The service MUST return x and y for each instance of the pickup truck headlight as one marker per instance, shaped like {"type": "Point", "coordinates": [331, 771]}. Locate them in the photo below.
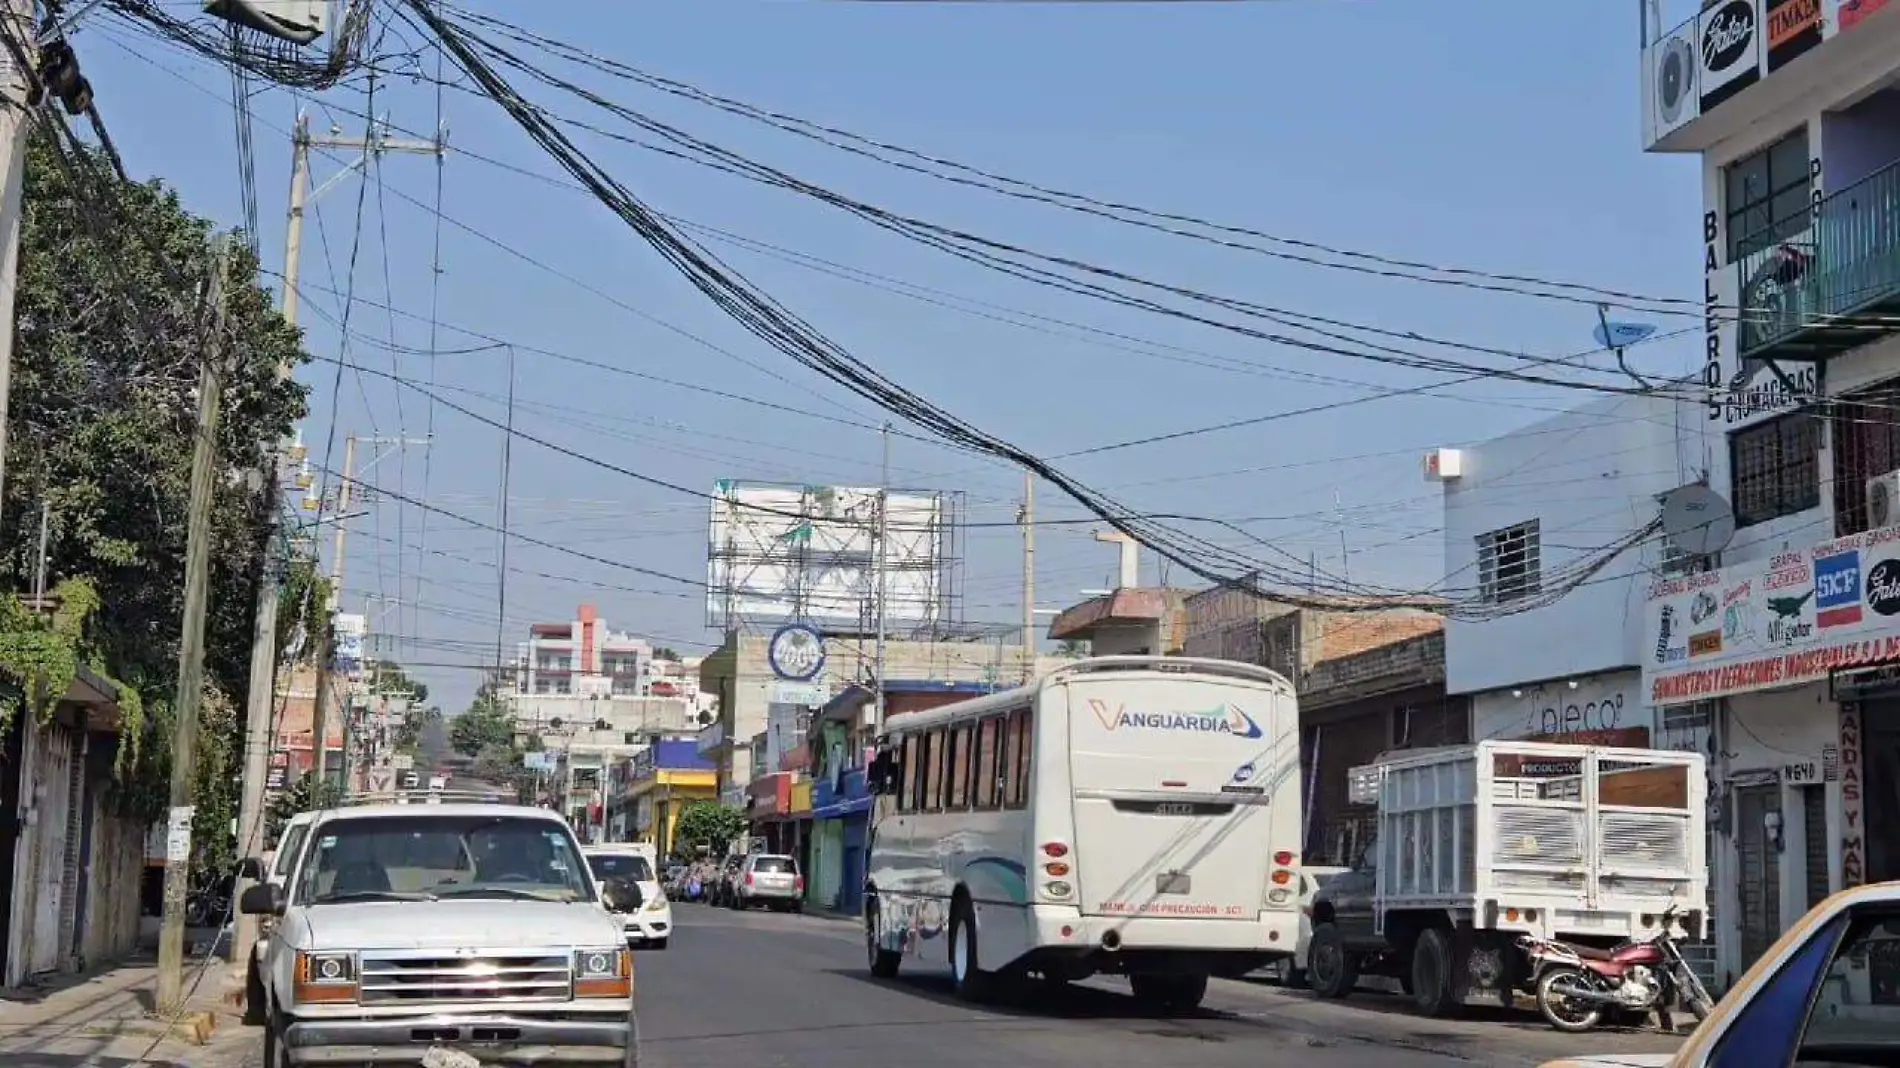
{"type": "Point", "coordinates": [323, 978]}
{"type": "Point", "coordinates": [657, 904]}
{"type": "Point", "coordinates": [603, 973]}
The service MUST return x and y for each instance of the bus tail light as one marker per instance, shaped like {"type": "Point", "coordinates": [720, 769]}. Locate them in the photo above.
{"type": "Point", "coordinates": [1053, 880]}
{"type": "Point", "coordinates": [1282, 893]}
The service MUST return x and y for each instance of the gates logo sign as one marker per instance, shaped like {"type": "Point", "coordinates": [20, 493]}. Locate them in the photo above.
{"type": "Point", "coordinates": [1837, 589]}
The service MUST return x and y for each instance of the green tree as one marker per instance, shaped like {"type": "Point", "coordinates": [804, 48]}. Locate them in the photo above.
{"type": "Point", "coordinates": [486, 723]}
{"type": "Point", "coordinates": [301, 796]}
{"type": "Point", "coordinates": [110, 335]}
{"type": "Point", "coordinates": [665, 653]}
{"type": "Point", "coordinates": [707, 823]}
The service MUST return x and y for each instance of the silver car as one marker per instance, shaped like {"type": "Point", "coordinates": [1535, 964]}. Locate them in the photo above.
{"type": "Point", "coordinates": [771, 880]}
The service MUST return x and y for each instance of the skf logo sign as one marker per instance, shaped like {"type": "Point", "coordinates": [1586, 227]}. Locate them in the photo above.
{"type": "Point", "coordinates": [1837, 589]}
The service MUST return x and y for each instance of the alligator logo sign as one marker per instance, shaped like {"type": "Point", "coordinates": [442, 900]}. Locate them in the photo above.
{"type": "Point", "coordinates": [1785, 625]}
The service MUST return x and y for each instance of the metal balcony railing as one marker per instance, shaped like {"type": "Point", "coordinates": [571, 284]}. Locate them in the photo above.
{"type": "Point", "coordinates": [1832, 287]}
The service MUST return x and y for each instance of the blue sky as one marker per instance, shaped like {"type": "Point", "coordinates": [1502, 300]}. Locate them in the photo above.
{"type": "Point", "coordinates": [1465, 133]}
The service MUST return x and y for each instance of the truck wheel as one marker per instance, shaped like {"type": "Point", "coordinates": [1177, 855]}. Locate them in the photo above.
{"type": "Point", "coordinates": [1432, 989]}
{"type": "Point", "coordinates": [1331, 969]}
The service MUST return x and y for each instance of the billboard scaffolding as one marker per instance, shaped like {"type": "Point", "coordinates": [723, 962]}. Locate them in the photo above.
{"type": "Point", "coordinates": [779, 552]}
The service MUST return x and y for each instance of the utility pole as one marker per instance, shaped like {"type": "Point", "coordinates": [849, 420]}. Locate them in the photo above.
{"type": "Point", "coordinates": [15, 122]}
{"type": "Point", "coordinates": [191, 647]}
{"type": "Point", "coordinates": [883, 557]}
{"type": "Point", "coordinates": [326, 625]}
{"type": "Point", "coordinates": [1027, 517]}
{"type": "Point", "coordinates": [260, 703]}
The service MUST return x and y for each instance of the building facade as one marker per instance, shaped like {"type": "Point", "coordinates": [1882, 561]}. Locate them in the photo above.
{"type": "Point", "coordinates": [72, 865]}
{"type": "Point", "coordinates": [1522, 514]}
{"type": "Point", "coordinates": [1788, 641]}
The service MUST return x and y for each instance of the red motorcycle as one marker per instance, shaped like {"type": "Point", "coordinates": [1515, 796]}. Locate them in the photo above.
{"type": "Point", "coordinates": [1577, 986]}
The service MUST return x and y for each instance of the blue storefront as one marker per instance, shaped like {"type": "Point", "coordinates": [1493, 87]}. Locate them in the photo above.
{"type": "Point", "coordinates": [841, 815]}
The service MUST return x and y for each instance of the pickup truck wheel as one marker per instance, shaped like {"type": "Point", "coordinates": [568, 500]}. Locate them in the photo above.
{"type": "Point", "coordinates": [276, 1053]}
{"type": "Point", "coordinates": [256, 1010]}
{"type": "Point", "coordinates": [1432, 988]}
{"type": "Point", "coordinates": [1331, 970]}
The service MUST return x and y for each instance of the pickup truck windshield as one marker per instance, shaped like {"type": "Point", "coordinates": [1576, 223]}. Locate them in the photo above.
{"type": "Point", "coordinates": [425, 857]}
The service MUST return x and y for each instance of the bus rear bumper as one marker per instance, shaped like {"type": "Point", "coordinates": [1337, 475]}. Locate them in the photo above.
{"type": "Point", "coordinates": [1239, 944]}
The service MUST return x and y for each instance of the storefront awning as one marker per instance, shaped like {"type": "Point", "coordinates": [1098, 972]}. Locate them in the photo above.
{"type": "Point", "coordinates": [839, 810]}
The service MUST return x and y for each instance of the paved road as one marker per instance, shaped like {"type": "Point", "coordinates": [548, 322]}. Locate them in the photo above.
{"type": "Point", "coordinates": [771, 990]}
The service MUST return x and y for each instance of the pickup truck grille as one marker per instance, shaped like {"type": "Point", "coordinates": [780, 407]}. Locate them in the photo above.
{"type": "Point", "coordinates": [421, 980]}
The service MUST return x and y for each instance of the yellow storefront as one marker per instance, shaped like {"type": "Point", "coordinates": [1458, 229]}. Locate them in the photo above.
{"type": "Point", "coordinates": [659, 798]}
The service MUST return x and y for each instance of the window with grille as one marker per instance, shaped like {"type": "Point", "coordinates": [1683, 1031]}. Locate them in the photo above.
{"type": "Point", "coordinates": [1866, 429]}
{"type": "Point", "coordinates": [1775, 468]}
{"type": "Point", "coordinates": [1510, 563]}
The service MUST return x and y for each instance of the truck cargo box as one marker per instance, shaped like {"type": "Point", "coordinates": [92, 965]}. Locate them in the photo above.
{"type": "Point", "coordinates": [1563, 840]}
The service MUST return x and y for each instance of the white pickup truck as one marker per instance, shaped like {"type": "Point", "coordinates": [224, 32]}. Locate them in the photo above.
{"type": "Point", "coordinates": [444, 935]}
{"type": "Point", "coordinates": [1479, 845]}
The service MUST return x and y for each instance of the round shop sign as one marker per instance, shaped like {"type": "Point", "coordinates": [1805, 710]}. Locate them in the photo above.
{"type": "Point", "coordinates": [797, 653]}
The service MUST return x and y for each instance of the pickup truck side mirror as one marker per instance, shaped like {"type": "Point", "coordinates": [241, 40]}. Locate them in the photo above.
{"type": "Point", "coordinates": [251, 868]}
{"type": "Point", "coordinates": [264, 899]}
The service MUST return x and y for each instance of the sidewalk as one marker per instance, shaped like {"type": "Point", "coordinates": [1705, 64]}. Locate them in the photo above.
{"type": "Point", "coordinates": [107, 1020]}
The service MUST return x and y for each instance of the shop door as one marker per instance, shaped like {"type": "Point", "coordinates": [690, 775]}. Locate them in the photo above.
{"type": "Point", "coordinates": [54, 776]}
{"type": "Point", "coordinates": [1880, 764]}
{"type": "Point", "coordinates": [1760, 864]}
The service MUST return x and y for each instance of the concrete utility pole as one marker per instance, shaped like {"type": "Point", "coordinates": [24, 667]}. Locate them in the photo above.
{"type": "Point", "coordinates": [1027, 517]}
{"type": "Point", "coordinates": [15, 122]}
{"type": "Point", "coordinates": [883, 558]}
{"type": "Point", "coordinates": [260, 704]}
{"type": "Point", "coordinates": [191, 648]}
{"type": "Point", "coordinates": [326, 625]}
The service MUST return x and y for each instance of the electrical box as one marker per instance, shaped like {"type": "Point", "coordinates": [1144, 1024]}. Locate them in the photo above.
{"type": "Point", "coordinates": [297, 21]}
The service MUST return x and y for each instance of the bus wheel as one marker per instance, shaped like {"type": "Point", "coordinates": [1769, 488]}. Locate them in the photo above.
{"type": "Point", "coordinates": [1169, 993]}
{"type": "Point", "coordinates": [883, 962]}
{"type": "Point", "coordinates": [965, 966]}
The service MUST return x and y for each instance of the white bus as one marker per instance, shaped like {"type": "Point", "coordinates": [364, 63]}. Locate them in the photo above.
{"type": "Point", "coordinates": [1133, 815]}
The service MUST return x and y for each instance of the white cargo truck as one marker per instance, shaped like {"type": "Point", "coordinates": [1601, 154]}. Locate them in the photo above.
{"type": "Point", "coordinates": [1480, 845]}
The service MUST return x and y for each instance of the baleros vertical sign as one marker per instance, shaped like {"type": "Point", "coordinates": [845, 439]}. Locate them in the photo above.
{"type": "Point", "coordinates": [1794, 26]}
{"type": "Point", "coordinates": [1729, 39]}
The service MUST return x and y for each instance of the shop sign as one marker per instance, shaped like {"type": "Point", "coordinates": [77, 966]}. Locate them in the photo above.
{"type": "Point", "coordinates": [1853, 839]}
{"type": "Point", "coordinates": [1793, 618]}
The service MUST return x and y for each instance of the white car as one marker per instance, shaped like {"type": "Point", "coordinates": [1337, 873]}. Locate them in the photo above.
{"type": "Point", "coordinates": [652, 925]}
{"type": "Point", "coordinates": [431, 934]}
{"type": "Point", "coordinates": [1291, 971]}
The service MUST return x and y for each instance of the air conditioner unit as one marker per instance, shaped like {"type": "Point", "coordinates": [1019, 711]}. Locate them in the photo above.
{"type": "Point", "coordinates": [1883, 500]}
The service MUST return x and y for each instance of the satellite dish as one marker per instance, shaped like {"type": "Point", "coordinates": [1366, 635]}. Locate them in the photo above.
{"type": "Point", "coordinates": [1613, 335]}
{"type": "Point", "coordinates": [1697, 520]}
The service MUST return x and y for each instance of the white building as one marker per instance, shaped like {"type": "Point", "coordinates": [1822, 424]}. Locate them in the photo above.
{"type": "Point", "coordinates": [1522, 512]}
{"type": "Point", "coordinates": [1793, 108]}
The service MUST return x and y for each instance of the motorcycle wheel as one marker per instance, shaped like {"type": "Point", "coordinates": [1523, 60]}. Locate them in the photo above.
{"type": "Point", "coordinates": [1556, 1000]}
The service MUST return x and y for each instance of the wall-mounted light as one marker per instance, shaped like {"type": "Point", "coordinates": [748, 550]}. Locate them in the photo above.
{"type": "Point", "coordinates": [1574, 684]}
{"type": "Point", "coordinates": [1517, 693]}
